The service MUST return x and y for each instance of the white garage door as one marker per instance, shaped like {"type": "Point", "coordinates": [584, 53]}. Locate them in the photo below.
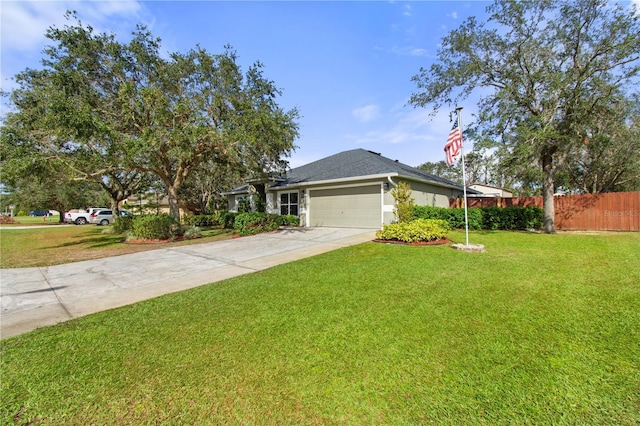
{"type": "Point", "coordinates": [356, 207]}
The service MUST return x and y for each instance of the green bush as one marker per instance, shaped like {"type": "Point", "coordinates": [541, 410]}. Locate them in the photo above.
{"type": "Point", "coordinates": [201, 220]}
{"type": "Point", "coordinates": [455, 217]}
{"type": "Point", "coordinates": [155, 227]}
{"type": "Point", "coordinates": [255, 223]}
{"type": "Point", "coordinates": [244, 205]}
{"type": "Point", "coordinates": [521, 218]}
{"type": "Point", "coordinates": [414, 231]}
{"type": "Point", "coordinates": [528, 218]}
{"type": "Point", "coordinates": [227, 219]}
{"type": "Point", "coordinates": [531, 218]}
{"type": "Point", "coordinates": [288, 220]}
{"type": "Point", "coordinates": [430, 212]}
{"type": "Point", "coordinates": [122, 224]}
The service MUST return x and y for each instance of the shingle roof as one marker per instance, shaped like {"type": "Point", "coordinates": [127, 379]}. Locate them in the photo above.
{"type": "Point", "coordinates": [353, 164]}
{"type": "Point", "coordinates": [356, 163]}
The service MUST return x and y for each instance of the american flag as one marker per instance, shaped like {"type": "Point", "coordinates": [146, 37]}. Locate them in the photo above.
{"type": "Point", "coordinates": [454, 144]}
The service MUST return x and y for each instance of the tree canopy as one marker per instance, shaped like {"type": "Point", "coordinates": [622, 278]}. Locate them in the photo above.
{"type": "Point", "coordinates": [122, 114]}
{"type": "Point", "coordinates": [554, 75]}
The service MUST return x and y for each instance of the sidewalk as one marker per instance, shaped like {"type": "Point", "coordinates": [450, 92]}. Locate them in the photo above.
{"type": "Point", "coordinates": [37, 297]}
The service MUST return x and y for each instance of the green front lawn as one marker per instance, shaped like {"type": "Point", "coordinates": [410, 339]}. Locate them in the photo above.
{"type": "Point", "coordinates": [22, 248]}
{"type": "Point", "coordinates": [34, 220]}
{"type": "Point", "coordinates": [540, 330]}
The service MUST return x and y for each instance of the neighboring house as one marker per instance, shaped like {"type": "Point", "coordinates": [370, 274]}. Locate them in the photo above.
{"type": "Point", "coordinates": [148, 204]}
{"type": "Point", "coordinates": [491, 191]}
{"type": "Point", "coordinates": [348, 189]}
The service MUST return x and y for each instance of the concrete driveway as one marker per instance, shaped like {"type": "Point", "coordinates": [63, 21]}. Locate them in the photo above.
{"type": "Point", "coordinates": [37, 297]}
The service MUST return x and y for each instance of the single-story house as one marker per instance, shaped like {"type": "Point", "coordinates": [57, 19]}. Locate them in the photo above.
{"type": "Point", "coordinates": [349, 189]}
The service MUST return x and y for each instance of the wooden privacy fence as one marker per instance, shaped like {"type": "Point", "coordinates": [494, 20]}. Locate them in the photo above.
{"type": "Point", "coordinates": [613, 211]}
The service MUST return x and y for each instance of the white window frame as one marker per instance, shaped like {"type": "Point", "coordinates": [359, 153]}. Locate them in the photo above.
{"type": "Point", "coordinates": [289, 204]}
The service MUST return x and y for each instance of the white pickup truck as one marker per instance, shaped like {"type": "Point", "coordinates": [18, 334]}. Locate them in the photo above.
{"type": "Point", "coordinates": [80, 216]}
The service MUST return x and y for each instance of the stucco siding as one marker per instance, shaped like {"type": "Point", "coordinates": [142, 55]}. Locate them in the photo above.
{"type": "Point", "coordinates": [425, 194]}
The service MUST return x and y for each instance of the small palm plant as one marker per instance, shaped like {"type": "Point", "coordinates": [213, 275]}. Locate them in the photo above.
{"type": "Point", "coordinates": [404, 202]}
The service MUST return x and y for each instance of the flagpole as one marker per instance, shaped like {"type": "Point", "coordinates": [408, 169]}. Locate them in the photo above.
{"type": "Point", "coordinates": [464, 181]}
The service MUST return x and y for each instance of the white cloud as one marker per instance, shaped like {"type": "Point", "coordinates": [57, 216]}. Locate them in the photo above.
{"type": "Point", "coordinates": [637, 5]}
{"type": "Point", "coordinates": [130, 8]}
{"type": "Point", "coordinates": [367, 113]}
{"type": "Point", "coordinates": [24, 23]}
{"type": "Point", "coordinates": [453, 15]}
{"type": "Point", "coordinates": [404, 126]}
{"type": "Point", "coordinates": [405, 51]}
{"type": "Point", "coordinates": [408, 134]}
{"type": "Point", "coordinates": [418, 51]}
{"type": "Point", "coordinates": [407, 10]}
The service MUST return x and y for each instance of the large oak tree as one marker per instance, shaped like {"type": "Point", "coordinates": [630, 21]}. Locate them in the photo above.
{"type": "Point", "coordinates": [550, 71]}
{"type": "Point", "coordinates": [117, 112]}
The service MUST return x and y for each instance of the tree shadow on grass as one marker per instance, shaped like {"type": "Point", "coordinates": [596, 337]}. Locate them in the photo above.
{"type": "Point", "coordinates": [92, 242]}
{"type": "Point", "coordinates": [101, 241]}
{"type": "Point", "coordinates": [487, 231]}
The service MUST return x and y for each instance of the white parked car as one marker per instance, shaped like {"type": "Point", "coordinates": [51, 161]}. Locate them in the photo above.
{"type": "Point", "coordinates": [80, 216]}
{"type": "Point", "coordinates": [105, 216]}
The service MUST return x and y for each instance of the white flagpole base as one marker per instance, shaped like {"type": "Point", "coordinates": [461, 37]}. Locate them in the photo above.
{"type": "Point", "coordinates": [470, 248]}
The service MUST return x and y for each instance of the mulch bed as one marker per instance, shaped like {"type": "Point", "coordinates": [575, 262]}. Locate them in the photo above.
{"type": "Point", "coordinates": [140, 242]}
{"type": "Point", "coordinates": [417, 243]}
{"type": "Point", "coordinates": [158, 241]}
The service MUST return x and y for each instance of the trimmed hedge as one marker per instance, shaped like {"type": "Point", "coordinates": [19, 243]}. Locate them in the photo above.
{"type": "Point", "coordinates": [155, 227]}
{"type": "Point", "coordinates": [201, 220]}
{"type": "Point", "coordinates": [227, 219]}
{"type": "Point", "coordinates": [122, 224]}
{"type": "Point", "coordinates": [521, 218]}
{"type": "Point", "coordinates": [414, 231]}
{"type": "Point", "coordinates": [255, 223]}
{"type": "Point", "coordinates": [514, 218]}
{"type": "Point", "coordinates": [288, 220]}
{"type": "Point", "coordinates": [454, 217]}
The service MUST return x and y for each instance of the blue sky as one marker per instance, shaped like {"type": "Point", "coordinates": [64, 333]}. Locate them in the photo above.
{"type": "Point", "coordinates": [346, 65]}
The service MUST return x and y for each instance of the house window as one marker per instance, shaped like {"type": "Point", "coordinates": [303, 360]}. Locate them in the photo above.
{"type": "Point", "coordinates": [289, 203]}
{"type": "Point", "coordinates": [243, 204]}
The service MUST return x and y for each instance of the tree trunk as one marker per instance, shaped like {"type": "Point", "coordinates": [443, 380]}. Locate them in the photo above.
{"type": "Point", "coordinates": [547, 193]}
{"type": "Point", "coordinates": [172, 196]}
{"type": "Point", "coordinates": [114, 207]}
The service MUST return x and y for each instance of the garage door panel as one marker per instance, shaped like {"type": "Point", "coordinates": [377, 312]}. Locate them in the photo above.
{"type": "Point", "coordinates": [356, 207]}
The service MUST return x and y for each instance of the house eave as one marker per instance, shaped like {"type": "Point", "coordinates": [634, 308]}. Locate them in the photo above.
{"type": "Point", "coordinates": [433, 182]}
{"type": "Point", "coordinates": [382, 176]}
{"type": "Point", "coordinates": [266, 180]}
{"type": "Point", "coordinates": [278, 186]}
{"type": "Point", "coordinates": [305, 184]}
{"type": "Point", "coordinates": [240, 190]}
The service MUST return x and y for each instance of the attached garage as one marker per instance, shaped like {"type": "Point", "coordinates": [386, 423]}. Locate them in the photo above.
{"type": "Point", "coordinates": [349, 207]}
